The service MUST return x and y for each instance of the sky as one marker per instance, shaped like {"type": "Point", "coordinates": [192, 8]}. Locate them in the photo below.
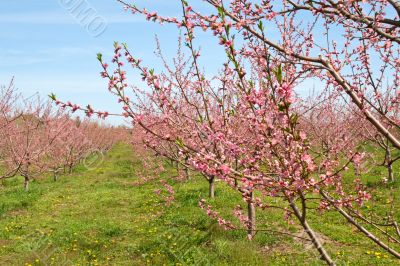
{"type": "Point", "coordinates": [48, 48]}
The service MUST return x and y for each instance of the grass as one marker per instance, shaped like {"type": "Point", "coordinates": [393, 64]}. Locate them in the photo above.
{"type": "Point", "coordinates": [98, 217]}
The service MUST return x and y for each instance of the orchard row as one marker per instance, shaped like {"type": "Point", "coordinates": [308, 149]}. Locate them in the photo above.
{"type": "Point", "coordinates": [36, 138]}
{"type": "Point", "coordinates": [250, 126]}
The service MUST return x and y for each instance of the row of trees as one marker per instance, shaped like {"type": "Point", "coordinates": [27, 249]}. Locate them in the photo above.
{"type": "Point", "coordinates": [36, 138]}
{"type": "Point", "coordinates": [247, 126]}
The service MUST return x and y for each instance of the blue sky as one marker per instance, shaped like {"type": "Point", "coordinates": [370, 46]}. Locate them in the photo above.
{"type": "Point", "coordinates": [47, 49]}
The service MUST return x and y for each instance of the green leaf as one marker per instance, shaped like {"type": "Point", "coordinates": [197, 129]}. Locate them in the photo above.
{"type": "Point", "coordinates": [100, 57]}
{"type": "Point", "coordinates": [269, 78]}
{"type": "Point", "coordinates": [221, 12]}
{"type": "Point", "coordinates": [180, 143]}
{"type": "Point", "coordinates": [229, 56]}
{"type": "Point", "coordinates": [260, 25]}
{"type": "Point", "coordinates": [278, 73]}
{"type": "Point", "coordinates": [227, 29]}
{"type": "Point", "coordinates": [52, 96]}
{"type": "Point", "coordinates": [294, 118]}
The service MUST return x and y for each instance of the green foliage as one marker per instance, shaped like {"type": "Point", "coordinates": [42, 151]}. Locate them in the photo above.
{"type": "Point", "coordinates": [98, 217]}
{"type": "Point", "coordinates": [100, 57]}
{"type": "Point", "coordinates": [278, 73]}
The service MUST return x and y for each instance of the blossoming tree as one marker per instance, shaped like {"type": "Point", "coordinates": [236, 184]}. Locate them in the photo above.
{"type": "Point", "coordinates": [243, 126]}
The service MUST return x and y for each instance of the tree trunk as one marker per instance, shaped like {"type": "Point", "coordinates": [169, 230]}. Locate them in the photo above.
{"type": "Point", "coordinates": [187, 173]}
{"type": "Point", "coordinates": [177, 167]}
{"type": "Point", "coordinates": [389, 165]}
{"type": "Point", "coordinates": [55, 177]}
{"type": "Point", "coordinates": [362, 229]}
{"type": "Point", "coordinates": [236, 168]}
{"type": "Point", "coordinates": [390, 172]}
{"type": "Point", "coordinates": [310, 232]}
{"type": "Point", "coordinates": [317, 244]}
{"type": "Point", "coordinates": [26, 183]}
{"type": "Point", "coordinates": [211, 188]}
{"type": "Point", "coordinates": [251, 215]}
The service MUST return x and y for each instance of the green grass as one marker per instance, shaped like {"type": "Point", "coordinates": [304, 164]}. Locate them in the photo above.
{"type": "Point", "coordinates": [98, 217]}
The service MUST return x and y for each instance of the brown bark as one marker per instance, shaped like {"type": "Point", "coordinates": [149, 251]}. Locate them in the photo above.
{"type": "Point", "coordinates": [211, 188]}
{"type": "Point", "coordinates": [251, 215]}
{"type": "Point", "coordinates": [362, 229]}
{"type": "Point", "coordinates": [310, 232]}
{"type": "Point", "coordinates": [390, 173]}
{"type": "Point", "coordinates": [389, 164]}
{"type": "Point", "coordinates": [26, 183]}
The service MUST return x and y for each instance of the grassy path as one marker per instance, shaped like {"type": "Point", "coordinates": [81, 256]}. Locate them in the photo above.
{"type": "Point", "coordinates": [97, 217]}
